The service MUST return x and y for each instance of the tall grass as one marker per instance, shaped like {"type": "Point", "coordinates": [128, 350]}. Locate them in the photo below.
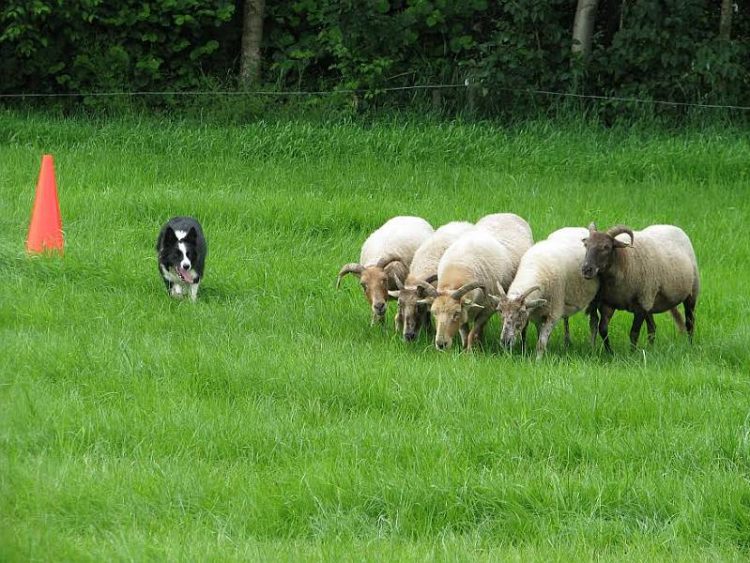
{"type": "Point", "coordinates": [270, 421]}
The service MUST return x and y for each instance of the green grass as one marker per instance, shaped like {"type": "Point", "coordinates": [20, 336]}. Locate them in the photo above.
{"type": "Point", "coordinates": [270, 421]}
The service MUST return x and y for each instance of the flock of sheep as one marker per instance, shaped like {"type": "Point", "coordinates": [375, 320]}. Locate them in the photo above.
{"type": "Point", "coordinates": [461, 274]}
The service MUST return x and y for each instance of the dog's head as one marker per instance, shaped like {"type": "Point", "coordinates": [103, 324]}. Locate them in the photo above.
{"type": "Point", "coordinates": [179, 253]}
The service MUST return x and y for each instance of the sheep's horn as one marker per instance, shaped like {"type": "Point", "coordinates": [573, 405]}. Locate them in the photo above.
{"type": "Point", "coordinates": [528, 292]}
{"type": "Point", "coordinates": [500, 290]}
{"type": "Point", "coordinates": [466, 288]}
{"type": "Point", "coordinates": [619, 229]}
{"type": "Point", "coordinates": [431, 291]}
{"type": "Point", "coordinates": [501, 296]}
{"type": "Point", "coordinates": [385, 260]}
{"type": "Point", "coordinates": [351, 268]}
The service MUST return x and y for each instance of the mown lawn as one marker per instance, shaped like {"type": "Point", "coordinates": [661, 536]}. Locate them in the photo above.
{"type": "Point", "coordinates": [270, 421]}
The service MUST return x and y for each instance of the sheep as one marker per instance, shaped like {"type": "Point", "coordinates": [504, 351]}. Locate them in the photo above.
{"type": "Point", "coordinates": [513, 232]}
{"type": "Point", "coordinates": [385, 257]}
{"type": "Point", "coordinates": [481, 258]}
{"type": "Point", "coordinates": [423, 270]}
{"type": "Point", "coordinates": [654, 272]}
{"type": "Point", "coordinates": [548, 286]}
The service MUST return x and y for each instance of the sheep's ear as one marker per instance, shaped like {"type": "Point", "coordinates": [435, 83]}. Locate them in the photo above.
{"type": "Point", "coordinates": [620, 244]}
{"type": "Point", "coordinates": [426, 301]}
{"type": "Point", "coordinates": [592, 228]}
{"type": "Point", "coordinates": [472, 305]}
{"type": "Point", "coordinates": [394, 294]}
{"type": "Point", "coordinates": [534, 303]}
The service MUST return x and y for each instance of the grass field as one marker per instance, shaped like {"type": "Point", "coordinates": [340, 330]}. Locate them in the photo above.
{"type": "Point", "coordinates": [270, 421]}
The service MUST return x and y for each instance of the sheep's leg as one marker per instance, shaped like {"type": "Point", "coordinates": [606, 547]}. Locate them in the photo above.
{"type": "Point", "coordinates": [635, 329]}
{"type": "Point", "coordinates": [606, 314]}
{"type": "Point", "coordinates": [566, 323]}
{"type": "Point", "coordinates": [651, 326]}
{"type": "Point", "coordinates": [689, 305]}
{"type": "Point", "coordinates": [544, 333]}
{"type": "Point", "coordinates": [478, 330]}
{"type": "Point", "coordinates": [523, 338]}
{"type": "Point", "coordinates": [426, 319]}
{"type": "Point", "coordinates": [464, 332]}
{"type": "Point", "coordinates": [593, 325]}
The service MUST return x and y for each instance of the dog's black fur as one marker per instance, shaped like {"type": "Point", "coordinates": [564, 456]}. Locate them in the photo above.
{"type": "Point", "coordinates": [181, 251]}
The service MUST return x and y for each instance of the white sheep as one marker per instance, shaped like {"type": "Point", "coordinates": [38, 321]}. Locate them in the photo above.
{"type": "Point", "coordinates": [654, 272]}
{"type": "Point", "coordinates": [510, 230]}
{"type": "Point", "coordinates": [423, 270]}
{"type": "Point", "coordinates": [385, 257]}
{"type": "Point", "coordinates": [482, 258]}
{"type": "Point", "coordinates": [548, 286]}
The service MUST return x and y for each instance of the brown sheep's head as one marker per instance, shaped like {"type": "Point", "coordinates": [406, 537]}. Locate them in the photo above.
{"type": "Point", "coordinates": [600, 249]}
{"type": "Point", "coordinates": [375, 282]}
{"type": "Point", "coordinates": [411, 307]}
{"type": "Point", "coordinates": [515, 313]}
{"type": "Point", "coordinates": [450, 311]}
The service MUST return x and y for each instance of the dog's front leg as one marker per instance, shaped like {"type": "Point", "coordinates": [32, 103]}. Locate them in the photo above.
{"type": "Point", "coordinates": [194, 292]}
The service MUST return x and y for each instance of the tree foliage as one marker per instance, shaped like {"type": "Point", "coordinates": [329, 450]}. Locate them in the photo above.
{"type": "Point", "coordinates": [667, 49]}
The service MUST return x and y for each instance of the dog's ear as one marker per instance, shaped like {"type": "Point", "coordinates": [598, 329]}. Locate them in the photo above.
{"type": "Point", "coordinates": [191, 236]}
{"type": "Point", "coordinates": [170, 238]}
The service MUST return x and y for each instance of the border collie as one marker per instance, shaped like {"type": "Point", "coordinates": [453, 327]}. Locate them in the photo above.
{"type": "Point", "coordinates": [181, 251]}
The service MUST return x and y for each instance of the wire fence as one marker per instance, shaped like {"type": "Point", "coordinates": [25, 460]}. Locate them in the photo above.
{"type": "Point", "coordinates": [299, 93]}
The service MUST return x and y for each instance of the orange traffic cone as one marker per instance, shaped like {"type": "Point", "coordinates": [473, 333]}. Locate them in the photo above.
{"type": "Point", "coordinates": [45, 230]}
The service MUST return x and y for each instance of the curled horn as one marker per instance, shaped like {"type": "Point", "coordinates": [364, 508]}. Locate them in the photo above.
{"type": "Point", "coordinates": [385, 260]}
{"type": "Point", "coordinates": [429, 289]}
{"type": "Point", "coordinates": [528, 292]}
{"type": "Point", "coordinates": [351, 268]}
{"type": "Point", "coordinates": [619, 229]}
{"type": "Point", "coordinates": [466, 288]}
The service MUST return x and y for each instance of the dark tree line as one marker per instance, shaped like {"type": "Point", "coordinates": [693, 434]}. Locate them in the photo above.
{"type": "Point", "coordinates": [681, 50]}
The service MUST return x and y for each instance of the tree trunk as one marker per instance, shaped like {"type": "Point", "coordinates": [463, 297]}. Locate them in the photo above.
{"type": "Point", "coordinates": [725, 23]}
{"type": "Point", "coordinates": [252, 35]}
{"type": "Point", "coordinates": [583, 27]}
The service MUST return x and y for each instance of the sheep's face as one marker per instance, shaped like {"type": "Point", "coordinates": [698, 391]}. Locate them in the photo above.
{"type": "Point", "coordinates": [374, 283]}
{"type": "Point", "coordinates": [449, 314]}
{"type": "Point", "coordinates": [515, 318]}
{"type": "Point", "coordinates": [516, 313]}
{"type": "Point", "coordinates": [600, 249]}
{"type": "Point", "coordinates": [411, 310]}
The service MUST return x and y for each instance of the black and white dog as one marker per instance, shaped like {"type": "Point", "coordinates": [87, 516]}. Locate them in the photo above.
{"type": "Point", "coordinates": [181, 251]}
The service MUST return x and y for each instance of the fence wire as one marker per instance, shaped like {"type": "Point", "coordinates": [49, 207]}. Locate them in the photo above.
{"type": "Point", "coordinates": [300, 93]}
